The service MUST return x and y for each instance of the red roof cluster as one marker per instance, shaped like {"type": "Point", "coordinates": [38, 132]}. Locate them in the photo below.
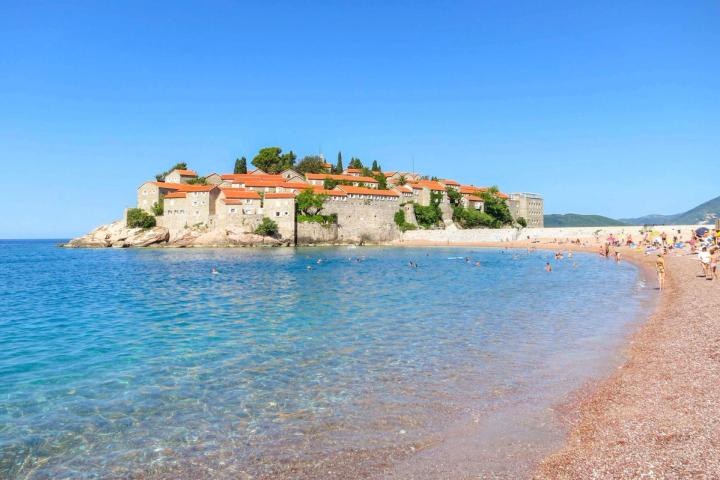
{"type": "Point", "coordinates": [367, 191]}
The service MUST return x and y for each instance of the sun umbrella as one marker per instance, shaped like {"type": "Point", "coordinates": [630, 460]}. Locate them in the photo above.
{"type": "Point", "coordinates": [701, 231]}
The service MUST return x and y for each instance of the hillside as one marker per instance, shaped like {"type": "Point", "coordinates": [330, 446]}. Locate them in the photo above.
{"type": "Point", "coordinates": [704, 213]}
{"type": "Point", "coordinates": [578, 220]}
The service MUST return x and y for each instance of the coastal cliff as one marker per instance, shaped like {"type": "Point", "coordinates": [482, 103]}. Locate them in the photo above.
{"type": "Point", "coordinates": [118, 235]}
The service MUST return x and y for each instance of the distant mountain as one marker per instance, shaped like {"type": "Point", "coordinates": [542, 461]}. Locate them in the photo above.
{"type": "Point", "coordinates": [577, 220]}
{"type": "Point", "coordinates": [706, 213]}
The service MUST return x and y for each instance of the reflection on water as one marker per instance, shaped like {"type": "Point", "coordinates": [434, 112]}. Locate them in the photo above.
{"type": "Point", "coordinates": [122, 362]}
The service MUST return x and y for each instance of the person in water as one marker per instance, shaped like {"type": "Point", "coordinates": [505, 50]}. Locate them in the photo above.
{"type": "Point", "coordinates": [548, 267]}
{"type": "Point", "coordinates": [215, 271]}
{"type": "Point", "coordinates": [617, 256]}
{"type": "Point", "coordinates": [660, 267]}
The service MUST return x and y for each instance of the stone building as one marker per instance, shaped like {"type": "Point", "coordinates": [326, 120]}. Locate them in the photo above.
{"type": "Point", "coordinates": [180, 176]}
{"type": "Point", "coordinates": [529, 206]}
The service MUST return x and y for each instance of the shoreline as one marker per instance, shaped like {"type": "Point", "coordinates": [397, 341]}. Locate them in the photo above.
{"type": "Point", "coordinates": [656, 416]}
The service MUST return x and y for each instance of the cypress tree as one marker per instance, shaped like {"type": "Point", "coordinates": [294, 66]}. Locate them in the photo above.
{"type": "Point", "coordinates": [339, 167]}
{"type": "Point", "coordinates": [240, 165]}
{"type": "Point", "coordinates": [374, 166]}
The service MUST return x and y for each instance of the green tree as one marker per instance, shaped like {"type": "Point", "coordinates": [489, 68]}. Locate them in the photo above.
{"type": "Point", "coordinates": [272, 160]}
{"type": "Point", "coordinates": [158, 207]}
{"type": "Point", "coordinates": [197, 181]}
{"type": "Point", "coordinates": [471, 218]}
{"type": "Point", "coordinates": [311, 164]}
{"type": "Point", "coordinates": [382, 181]}
{"type": "Point", "coordinates": [401, 222]}
{"type": "Point", "coordinates": [427, 216]}
{"type": "Point", "coordinates": [374, 166]}
{"type": "Point", "coordinates": [454, 196]}
{"type": "Point", "coordinates": [522, 222]}
{"type": "Point", "coordinates": [309, 203]}
{"type": "Point", "coordinates": [355, 163]}
{"type": "Point", "coordinates": [240, 165]}
{"type": "Point", "coordinates": [267, 228]}
{"type": "Point", "coordinates": [402, 180]}
{"type": "Point", "coordinates": [160, 177]}
{"type": "Point", "coordinates": [339, 166]}
{"type": "Point", "coordinates": [329, 183]}
{"type": "Point", "coordinates": [139, 218]}
{"type": "Point", "coordinates": [496, 207]}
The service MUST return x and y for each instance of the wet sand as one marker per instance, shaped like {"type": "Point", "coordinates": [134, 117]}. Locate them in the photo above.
{"type": "Point", "coordinates": [658, 415]}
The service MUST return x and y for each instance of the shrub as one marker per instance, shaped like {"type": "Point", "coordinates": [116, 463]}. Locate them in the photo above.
{"type": "Point", "coordinates": [139, 218]}
{"type": "Point", "coordinates": [522, 222]}
{"type": "Point", "coordinates": [322, 219]}
{"type": "Point", "coordinates": [402, 223]}
{"type": "Point", "coordinates": [267, 228]}
{"type": "Point", "coordinates": [158, 207]}
{"type": "Point", "coordinates": [427, 216]}
{"type": "Point", "coordinates": [197, 181]}
{"type": "Point", "coordinates": [471, 218]}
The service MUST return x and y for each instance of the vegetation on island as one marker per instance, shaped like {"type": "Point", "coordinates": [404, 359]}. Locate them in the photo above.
{"type": "Point", "coordinates": [402, 223]}
{"type": "Point", "coordinates": [309, 205]}
{"type": "Point", "coordinates": [311, 164]}
{"type": "Point", "coordinates": [197, 181]}
{"type": "Point", "coordinates": [240, 166]}
{"type": "Point", "coordinates": [338, 168]}
{"type": "Point", "coordinates": [158, 207]}
{"type": "Point", "coordinates": [139, 218]}
{"type": "Point", "coordinates": [522, 222]}
{"type": "Point", "coordinates": [429, 216]}
{"type": "Point", "coordinates": [272, 160]}
{"type": "Point", "coordinates": [267, 228]}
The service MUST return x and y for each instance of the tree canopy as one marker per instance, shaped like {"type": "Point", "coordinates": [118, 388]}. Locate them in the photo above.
{"type": "Point", "coordinates": [311, 164]}
{"type": "Point", "coordinates": [496, 207]}
{"type": "Point", "coordinates": [339, 165]}
{"type": "Point", "coordinates": [272, 160]}
{"type": "Point", "coordinates": [355, 163]}
{"type": "Point", "coordinates": [309, 203]}
{"type": "Point", "coordinates": [240, 165]}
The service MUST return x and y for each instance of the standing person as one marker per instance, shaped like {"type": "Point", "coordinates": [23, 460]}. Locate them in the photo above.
{"type": "Point", "coordinates": [714, 257]}
{"type": "Point", "coordinates": [704, 257]}
{"type": "Point", "coordinates": [660, 267]}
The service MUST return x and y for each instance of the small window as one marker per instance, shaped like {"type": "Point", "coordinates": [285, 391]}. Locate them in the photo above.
{"type": "Point", "coordinates": [277, 214]}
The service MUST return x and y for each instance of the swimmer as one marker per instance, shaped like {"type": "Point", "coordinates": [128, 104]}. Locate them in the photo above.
{"type": "Point", "coordinates": [477, 264]}
{"type": "Point", "coordinates": [309, 267]}
{"type": "Point", "coordinates": [617, 256]}
{"type": "Point", "coordinates": [574, 265]}
{"type": "Point", "coordinates": [569, 254]}
{"type": "Point", "coordinates": [215, 271]}
{"type": "Point", "coordinates": [548, 267]}
{"type": "Point", "coordinates": [319, 261]}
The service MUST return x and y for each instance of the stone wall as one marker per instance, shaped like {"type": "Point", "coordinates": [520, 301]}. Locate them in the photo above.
{"type": "Point", "coordinates": [310, 233]}
{"type": "Point", "coordinates": [482, 235]}
{"type": "Point", "coordinates": [359, 220]}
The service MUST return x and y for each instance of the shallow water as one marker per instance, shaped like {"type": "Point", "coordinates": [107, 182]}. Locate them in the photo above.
{"type": "Point", "coordinates": [139, 362]}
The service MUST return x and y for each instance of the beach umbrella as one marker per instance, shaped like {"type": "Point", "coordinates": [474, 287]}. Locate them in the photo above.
{"type": "Point", "coordinates": [701, 231]}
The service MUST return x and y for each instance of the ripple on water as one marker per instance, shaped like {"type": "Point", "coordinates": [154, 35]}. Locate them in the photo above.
{"type": "Point", "coordinates": [118, 362]}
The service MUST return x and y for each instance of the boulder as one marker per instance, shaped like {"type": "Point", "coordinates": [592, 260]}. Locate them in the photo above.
{"type": "Point", "coordinates": [118, 235]}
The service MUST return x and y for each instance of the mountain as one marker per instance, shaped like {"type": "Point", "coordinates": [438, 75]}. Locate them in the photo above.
{"type": "Point", "coordinates": [705, 213]}
{"type": "Point", "coordinates": [578, 220]}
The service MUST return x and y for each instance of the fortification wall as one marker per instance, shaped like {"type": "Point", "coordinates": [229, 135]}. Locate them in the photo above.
{"type": "Point", "coordinates": [510, 234]}
{"type": "Point", "coordinates": [310, 233]}
{"type": "Point", "coordinates": [369, 221]}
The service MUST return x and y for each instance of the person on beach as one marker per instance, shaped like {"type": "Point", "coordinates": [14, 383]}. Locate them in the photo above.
{"type": "Point", "coordinates": [660, 267]}
{"type": "Point", "coordinates": [704, 257]}
{"type": "Point", "coordinates": [617, 256]}
{"type": "Point", "coordinates": [714, 257]}
{"type": "Point", "coordinates": [548, 267]}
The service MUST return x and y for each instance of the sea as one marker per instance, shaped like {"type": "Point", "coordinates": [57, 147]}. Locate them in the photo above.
{"type": "Point", "coordinates": [342, 362]}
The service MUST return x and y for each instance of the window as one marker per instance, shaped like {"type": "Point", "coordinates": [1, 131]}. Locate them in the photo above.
{"type": "Point", "coordinates": [277, 214]}
{"type": "Point", "coordinates": [232, 210]}
{"type": "Point", "coordinates": [144, 192]}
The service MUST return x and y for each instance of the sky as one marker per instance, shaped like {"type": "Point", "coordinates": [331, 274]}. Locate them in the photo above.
{"type": "Point", "coordinates": [602, 107]}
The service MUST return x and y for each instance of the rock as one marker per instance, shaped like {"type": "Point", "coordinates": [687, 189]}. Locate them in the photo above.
{"type": "Point", "coordinates": [118, 235]}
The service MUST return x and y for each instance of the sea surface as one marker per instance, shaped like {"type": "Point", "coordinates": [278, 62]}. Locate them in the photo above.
{"type": "Point", "coordinates": [295, 362]}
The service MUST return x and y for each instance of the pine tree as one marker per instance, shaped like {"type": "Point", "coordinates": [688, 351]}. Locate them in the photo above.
{"type": "Point", "coordinates": [240, 165]}
{"type": "Point", "coordinates": [374, 166]}
{"type": "Point", "coordinates": [339, 167]}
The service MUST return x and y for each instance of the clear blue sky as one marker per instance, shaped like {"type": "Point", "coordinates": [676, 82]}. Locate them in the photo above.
{"type": "Point", "coordinates": [606, 107]}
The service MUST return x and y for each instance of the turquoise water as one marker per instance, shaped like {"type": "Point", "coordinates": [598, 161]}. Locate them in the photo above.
{"type": "Point", "coordinates": [138, 362]}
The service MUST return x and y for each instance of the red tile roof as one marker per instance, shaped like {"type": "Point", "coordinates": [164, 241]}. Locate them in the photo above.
{"type": "Point", "coordinates": [403, 188]}
{"type": "Point", "coordinates": [296, 185]}
{"type": "Point", "coordinates": [186, 173]}
{"type": "Point", "coordinates": [240, 193]}
{"type": "Point", "coordinates": [450, 182]}
{"type": "Point", "coordinates": [473, 198]}
{"type": "Point", "coordinates": [367, 191]}
{"type": "Point", "coordinates": [280, 195]}
{"type": "Point", "coordinates": [232, 201]}
{"type": "Point", "coordinates": [431, 184]}
{"type": "Point", "coordinates": [184, 187]}
{"type": "Point", "coordinates": [332, 193]}
{"type": "Point", "coordinates": [176, 195]}
{"type": "Point", "coordinates": [349, 178]}
{"type": "Point", "coordinates": [240, 177]}
{"type": "Point", "coordinates": [472, 189]}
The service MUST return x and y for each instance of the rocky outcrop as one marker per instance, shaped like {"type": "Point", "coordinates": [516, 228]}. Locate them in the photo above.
{"type": "Point", "coordinates": [118, 235]}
